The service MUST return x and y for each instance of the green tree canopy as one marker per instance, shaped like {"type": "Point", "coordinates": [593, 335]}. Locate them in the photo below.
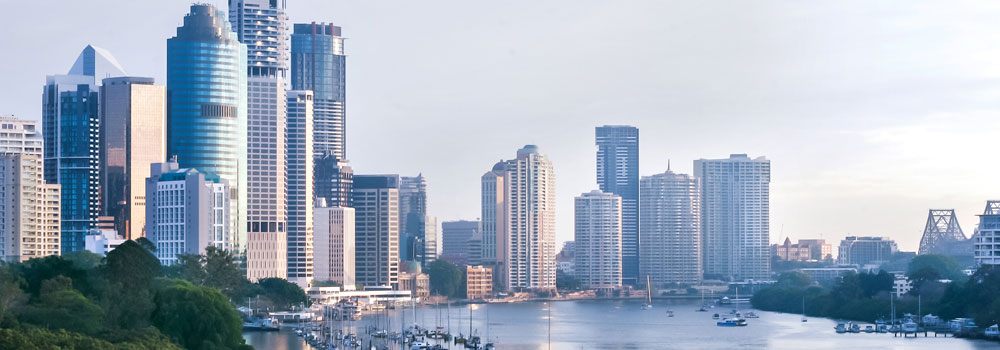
{"type": "Point", "coordinates": [59, 306]}
{"type": "Point", "coordinates": [282, 293]}
{"type": "Point", "coordinates": [933, 266]}
{"type": "Point", "coordinates": [446, 279]}
{"type": "Point", "coordinates": [794, 279]}
{"type": "Point", "coordinates": [131, 266]}
{"type": "Point", "coordinates": [197, 317]}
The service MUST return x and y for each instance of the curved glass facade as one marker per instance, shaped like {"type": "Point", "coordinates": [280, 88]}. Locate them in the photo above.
{"type": "Point", "coordinates": [207, 104]}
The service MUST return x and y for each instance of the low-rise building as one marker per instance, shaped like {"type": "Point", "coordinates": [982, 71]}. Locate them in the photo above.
{"type": "Point", "coordinates": [827, 275]}
{"type": "Point", "coordinates": [791, 252]}
{"type": "Point", "coordinates": [479, 282]}
{"type": "Point", "coordinates": [186, 211]}
{"type": "Point", "coordinates": [100, 241]}
{"type": "Point", "coordinates": [862, 251]}
{"type": "Point", "coordinates": [413, 279]}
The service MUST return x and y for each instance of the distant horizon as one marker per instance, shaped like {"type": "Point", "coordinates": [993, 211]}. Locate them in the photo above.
{"type": "Point", "coordinates": [871, 114]}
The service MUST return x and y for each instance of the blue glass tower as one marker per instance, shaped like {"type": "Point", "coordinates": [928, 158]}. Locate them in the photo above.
{"type": "Point", "coordinates": [71, 129]}
{"type": "Point", "coordinates": [207, 105]}
{"type": "Point", "coordinates": [618, 173]}
{"type": "Point", "coordinates": [319, 64]}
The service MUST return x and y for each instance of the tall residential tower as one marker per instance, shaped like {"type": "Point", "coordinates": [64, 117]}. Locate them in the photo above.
{"type": "Point", "coordinates": [598, 238]}
{"type": "Point", "coordinates": [531, 216]}
{"type": "Point", "coordinates": [670, 229]}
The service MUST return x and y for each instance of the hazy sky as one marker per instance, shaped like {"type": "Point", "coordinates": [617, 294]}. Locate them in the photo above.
{"type": "Point", "coordinates": [871, 112]}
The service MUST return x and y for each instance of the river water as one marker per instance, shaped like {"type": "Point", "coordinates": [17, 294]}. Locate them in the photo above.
{"type": "Point", "coordinates": [624, 325]}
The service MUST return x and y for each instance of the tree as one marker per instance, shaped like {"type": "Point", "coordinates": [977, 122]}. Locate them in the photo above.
{"type": "Point", "coordinates": [59, 306]}
{"type": "Point", "coordinates": [944, 267]}
{"type": "Point", "coordinates": [38, 270]}
{"type": "Point", "coordinates": [197, 317]}
{"type": "Point", "coordinates": [565, 281]}
{"type": "Point", "coordinates": [84, 260]}
{"type": "Point", "coordinates": [131, 266]}
{"type": "Point", "coordinates": [11, 295]}
{"type": "Point", "coordinates": [146, 244]}
{"type": "Point", "coordinates": [224, 272]}
{"type": "Point", "coordinates": [873, 283]}
{"type": "Point", "coordinates": [446, 279]}
{"type": "Point", "coordinates": [795, 279]}
{"type": "Point", "coordinates": [282, 293]}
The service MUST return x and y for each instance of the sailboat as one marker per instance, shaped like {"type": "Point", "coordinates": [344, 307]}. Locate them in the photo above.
{"type": "Point", "coordinates": [804, 309]}
{"type": "Point", "coordinates": [703, 306]}
{"type": "Point", "coordinates": [649, 295]}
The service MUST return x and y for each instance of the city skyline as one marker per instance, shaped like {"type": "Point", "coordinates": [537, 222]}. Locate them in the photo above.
{"type": "Point", "coordinates": [897, 210]}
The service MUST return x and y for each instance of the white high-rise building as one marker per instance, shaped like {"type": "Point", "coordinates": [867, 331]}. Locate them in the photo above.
{"type": "Point", "coordinates": [735, 216]}
{"type": "Point", "coordinates": [986, 241]}
{"type": "Point", "coordinates": [186, 211]}
{"type": "Point", "coordinates": [334, 244]}
{"type": "Point", "coordinates": [531, 215]}
{"type": "Point", "coordinates": [29, 223]}
{"type": "Point", "coordinates": [598, 237]}
{"type": "Point", "coordinates": [263, 27]}
{"type": "Point", "coordinates": [494, 219]}
{"type": "Point", "coordinates": [670, 229]}
{"type": "Point", "coordinates": [300, 187]}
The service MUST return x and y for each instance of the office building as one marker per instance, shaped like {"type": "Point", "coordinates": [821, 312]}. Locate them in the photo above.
{"type": "Point", "coordinates": [455, 241]}
{"type": "Point", "coordinates": [299, 149]}
{"type": "Point", "coordinates": [132, 136]}
{"type": "Point", "coordinates": [100, 241]}
{"type": "Point", "coordinates": [735, 216]}
{"type": "Point", "coordinates": [262, 26]}
{"type": "Point", "coordinates": [187, 210]}
{"type": "Point", "coordinates": [861, 251]}
{"type": "Point", "coordinates": [618, 173]}
{"type": "Point", "coordinates": [413, 219]}
{"type": "Point", "coordinates": [531, 209]}
{"type": "Point", "coordinates": [376, 205]}
{"type": "Point", "coordinates": [333, 180]}
{"type": "Point", "coordinates": [670, 229]}
{"type": "Point", "coordinates": [333, 244]}
{"type": "Point", "coordinates": [207, 123]}
{"type": "Point", "coordinates": [71, 128]}
{"type": "Point", "coordinates": [598, 237]}
{"type": "Point", "coordinates": [478, 282]}
{"type": "Point", "coordinates": [26, 217]}
{"type": "Point", "coordinates": [318, 64]}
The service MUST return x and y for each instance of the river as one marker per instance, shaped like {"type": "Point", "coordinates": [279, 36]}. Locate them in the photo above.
{"type": "Point", "coordinates": [609, 325]}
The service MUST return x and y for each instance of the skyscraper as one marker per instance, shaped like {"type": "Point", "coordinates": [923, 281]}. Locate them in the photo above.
{"type": "Point", "coordinates": [207, 123]}
{"type": "Point", "coordinates": [670, 229]}
{"type": "Point", "coordinates": [133, 136]}
{"type": "Point", "coordinates": [187, 211]}
{"type": "Point", "coordinates": [986, 242]}
{"type": "Point", "coordinates": [863, 251]}
{"type": "Point", "coordinates": [413, 219]}
{"type": "Point", "coordinates": [334, 180]}
{"type": "Point", "coordinates": [618, 173]}
{"type": "Point", "coordinates": [300, 187]}
{"type": "Point", "coordinates": [455, 236]}
{"type": "Point", "coordinates": [376, 205]}
{"type": "Point", "coordinates": [318, 64]}
{"type": "Point", "coordinates": [26, 219]}
{"type": "Point", "coordinates": [598, 238]}
{"type": "Point", "coordinates": [494, 218]}
{"type": "Point", "coordinates": [71, 128]}
{"type": "Point", "coordinates": [531, 209]}
{"type": "Point", "coordinates": [263, 27]}
{"type": "Point", "coordinates": [735, 216]}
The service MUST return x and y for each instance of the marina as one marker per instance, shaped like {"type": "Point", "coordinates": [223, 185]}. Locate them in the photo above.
{"type": "Point", "coordinates": [603, 324]}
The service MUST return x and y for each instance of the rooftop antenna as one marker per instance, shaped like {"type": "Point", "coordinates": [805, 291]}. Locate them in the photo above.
{"type": "Point", "coordinates": [668, 164]}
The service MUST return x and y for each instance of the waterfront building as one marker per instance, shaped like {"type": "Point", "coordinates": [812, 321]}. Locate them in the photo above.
{"type": "Point", "coordinates": [478, 282]}
{"type": "Point", "coordinates": [29, 224]}
{"type": "Point", "coordinates": [863, 251]}
{"type": "Point", "coordinates": [531, 209]}
{"type": "Point", "coordinates": [207, 123]}
{"type": "Point", "coordinates": [334, 244]}
{"type": "Point", "coordinates": [618, 173]}
{"type": "Point", "coordinates": [412, 278]}
{"type": "Point", "coordinates": [71, 127]}
{"type": "Point", "coordinates": [455, 239]}
{"type": "Point", "coordinates": [735, 216]}
{"type": "Point", "coordinates": [299, 147]}
{"type": "Point", "coordinates": [986, 241]}
{"type": "Point", "coordinates": [376, 204]}
{"type": "Point", "coordinates": [318, 63]}
{"type": "Point", "coordinates": [132, 136]}
{"type": "Point", "coordinates": [413, 219]}
{"type": "Point", "coordinates": [187, 211]}
{"type": "Point", "coordinates": [598, 237]}
{"type": "Point", "coordinates": [670, 229]}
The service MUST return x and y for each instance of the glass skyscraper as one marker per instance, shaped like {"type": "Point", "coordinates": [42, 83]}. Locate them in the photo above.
{"type": "Point", "coordinates": [318, 64]}
{"type": "Point", "coordinates": [618, 173]}
{"type": "Point", "coordinates": [206, 109]}
{"type": "Point", "coordinates": [71, 126]}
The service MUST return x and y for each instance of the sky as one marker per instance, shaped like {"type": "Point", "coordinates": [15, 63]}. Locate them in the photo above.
{"type": "Point", "coordinates": [870, 112]}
